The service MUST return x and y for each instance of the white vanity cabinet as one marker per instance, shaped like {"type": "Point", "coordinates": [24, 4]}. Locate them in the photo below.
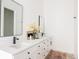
{"type": "Point", "coordinates": [38, 51]}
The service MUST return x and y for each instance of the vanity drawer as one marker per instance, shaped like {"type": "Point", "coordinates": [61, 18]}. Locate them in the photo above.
{"type": "Point", "coordinates": [39, 47]}
{"type": "Point", "coordinates": [21, 55]}
{"type": "Point", "coordinates": [27, 54]}
{"type": "Point", "coordinates": [31, 53]}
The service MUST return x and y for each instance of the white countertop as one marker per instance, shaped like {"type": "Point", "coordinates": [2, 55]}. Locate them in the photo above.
{"type": "Point", "coordinates": [27, 45]}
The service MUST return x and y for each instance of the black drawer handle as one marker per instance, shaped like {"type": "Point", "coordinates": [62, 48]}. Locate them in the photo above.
{"type": "Point", "coordinates": [39, 46]}
{"type": "Point", "coordinates": [50, 42]}
{"type": "Point", "coordinates": [44, 55]}
{"type": "Point", "coordinates": [44, 42]}
{"type": "Point", "coordinates": [29, 58]}
{"type": "Point", "coordinates": [47, 45]}
{"type": "Point", "coordinates": [39, 53]}
{"type": "Point", "coordinates": [74, 17]}
{"type": "Point", "coordinates": [44, 48]}
{"type": "Point", "coordinates": [28, 52]}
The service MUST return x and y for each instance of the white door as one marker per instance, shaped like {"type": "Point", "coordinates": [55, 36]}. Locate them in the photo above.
{"type": "Point", "coordinates": [59, 22]}
{"type": "Point", "coordinates": [66, 14]}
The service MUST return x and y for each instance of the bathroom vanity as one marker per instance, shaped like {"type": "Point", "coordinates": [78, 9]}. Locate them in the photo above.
{"type": "Point", "coordinates": [34, 49]}
{"type": "Point", "coordinates": [11, 25]}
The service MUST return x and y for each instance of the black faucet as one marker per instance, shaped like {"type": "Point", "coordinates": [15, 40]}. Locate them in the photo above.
{"type": "Point", "coordinates": [14, 40]}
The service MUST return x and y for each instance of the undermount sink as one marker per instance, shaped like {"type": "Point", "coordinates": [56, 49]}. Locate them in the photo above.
{"type": "Point", "coordinates": [23, 44]}
{"type": "Point", "coordinates": [15, 46]}
{"type": "Point", "coordinates": [18, 46]}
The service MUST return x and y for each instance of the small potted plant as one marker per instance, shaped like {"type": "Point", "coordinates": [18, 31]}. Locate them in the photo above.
{"type": "Point", "coordinates": [33, 30]}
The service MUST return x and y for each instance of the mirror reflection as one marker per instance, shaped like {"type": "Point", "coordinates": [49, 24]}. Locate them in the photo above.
{"type": "Point", "coordinates": [8, 22]}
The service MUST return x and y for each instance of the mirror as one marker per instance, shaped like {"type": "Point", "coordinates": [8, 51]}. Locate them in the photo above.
{"type": "Point", "coordinates": [8, 22]}
{"type": "Point", "coordinates": [11, 21]}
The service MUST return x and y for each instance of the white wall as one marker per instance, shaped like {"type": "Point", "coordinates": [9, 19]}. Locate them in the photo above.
{"type": "Point", "coordinates": [31, 10]}
{"type": "Point", "coordinates": [50, 19]}
{"type": "Point", "coordinates": [60, 23]}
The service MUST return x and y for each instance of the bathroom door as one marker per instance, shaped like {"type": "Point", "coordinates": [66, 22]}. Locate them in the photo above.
{"type": "Point", "coordinates": [76, 28]}
{"type": "Point", "coordinates": [66, 26]}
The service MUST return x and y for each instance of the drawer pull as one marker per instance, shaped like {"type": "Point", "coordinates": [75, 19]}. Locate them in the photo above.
{"type": "Point", "coordinates": [74, 17]}
{"type": "Point", "coordinates": [47, 45]}
{"type": "Point", "coordinates": [29, 58]}
{"type": "Point", "coordinates": [28, 52]}
{"type": "Point", "coordinates": [44, 48]}
{"type": "Point", "coordinates": [39, 53]}
{"type": "Point", "coordinates": [50, 42]}
{"type": "Point", "coordinates": [44, 42]}
{"type": "Point", "coordinates": [39, 46]}
{"type": "Point", "coordinates": [44, 55]}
